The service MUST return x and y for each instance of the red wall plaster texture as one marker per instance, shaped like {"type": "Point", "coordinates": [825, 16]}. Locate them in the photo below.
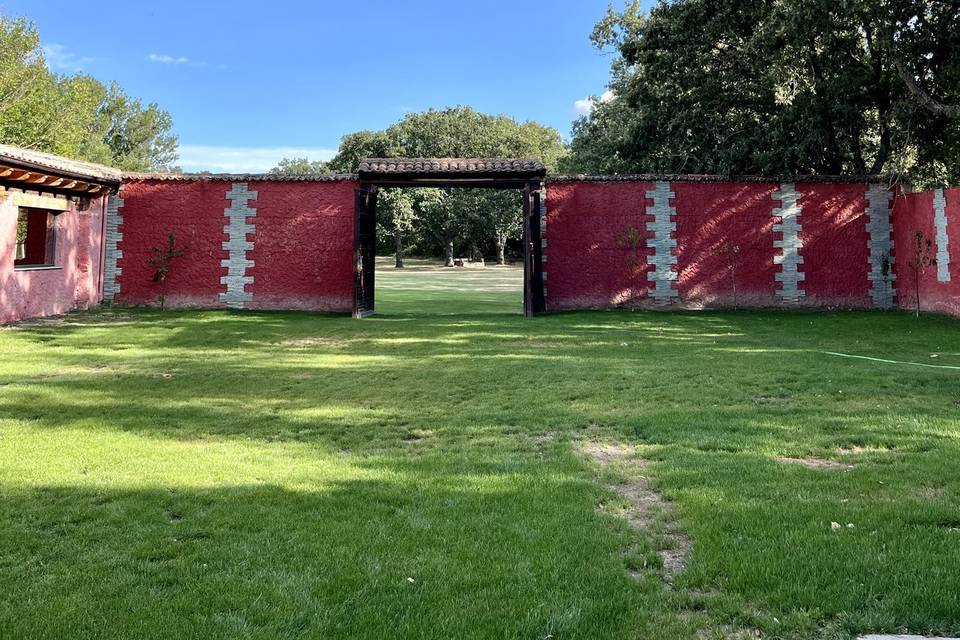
{"type": "Point", "coordinates": [913, 213]}
{"type": "Point", "coordinates": [193, 212]}
{"type": "Point", "coordinates": [592, 261]}
{"type": "Point", "coordinates": [588, 264]}
{"type": "Point", "coordinates": [707, 217]}
{"type": "Point", "coordinates": [73, 284]}
{"type": "Point", "coordinates": [836, 255]}
{"type": "Point", "coordinates": [302, 244]}
{"type": "Point", "coordinates": [303, 252]}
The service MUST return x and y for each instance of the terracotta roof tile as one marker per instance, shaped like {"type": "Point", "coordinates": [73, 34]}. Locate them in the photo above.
{"type": "Point", "coordinates": [450, 165]}
{"type": "Point", "coordinates": [238, 177]}
{"type": "Point", "coordinates": [58, 165]}
{"type": "Point", "coordinates": [807, 179]}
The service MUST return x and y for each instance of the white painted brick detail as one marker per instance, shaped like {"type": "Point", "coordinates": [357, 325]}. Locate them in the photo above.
{"type": "Point", "coordinates": [111, 251]}
{"type": "Point", "coordinates": [943, 240]}
{"type": "Point", "coordinates": [543, 236]}
{"type": "Point", "coordinates": [237, 246]}
{"type": "Point", "coordinates": [879, 227]}
{"type": "Point", "coordinates": [663, 243]}
{"type": "Point", "coordinates": [789, 259]}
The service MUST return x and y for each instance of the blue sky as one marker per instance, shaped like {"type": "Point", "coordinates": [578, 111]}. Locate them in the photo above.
{"type": "Point", "coordinates": [249, 82]}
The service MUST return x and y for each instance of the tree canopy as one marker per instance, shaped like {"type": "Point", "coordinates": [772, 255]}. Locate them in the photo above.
{"type": "Point", "coordinates": [75, 116]}
{"type": "Point", "coordinates": [457, 132]}
{"type": "Point", "coordinates": [299, 167]}
{"type": "Point", "coordinates": [758, 87]}
{"type": "Point", "coordinates": [438, 221]}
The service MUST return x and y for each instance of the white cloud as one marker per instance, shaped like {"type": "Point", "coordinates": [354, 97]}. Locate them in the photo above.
{"type": "Point", "coordinates": [194, 157]}
{"type": "Point", "coordinates": [165, 59]}
{"type": "Point", "coordinates": [58, 58]}
{"type": "Point", "coordinates": [585, 106]}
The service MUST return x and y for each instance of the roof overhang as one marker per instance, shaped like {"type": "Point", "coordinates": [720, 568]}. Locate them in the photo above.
{"type": "Point", "coordinates": [29, 170]}
{"type": "Point", "coordinates": [496, 173]}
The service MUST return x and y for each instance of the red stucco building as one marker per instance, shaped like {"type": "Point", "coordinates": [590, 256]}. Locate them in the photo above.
{"type": "Point", "coordinates": [52, 224]}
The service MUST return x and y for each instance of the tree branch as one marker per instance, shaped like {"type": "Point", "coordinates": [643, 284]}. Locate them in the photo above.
{"type": "Point", "coordinates": [922, 97]}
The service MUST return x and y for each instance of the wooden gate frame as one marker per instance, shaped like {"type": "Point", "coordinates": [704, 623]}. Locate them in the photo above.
{"type": "Point", "coordinates": [481, 173]}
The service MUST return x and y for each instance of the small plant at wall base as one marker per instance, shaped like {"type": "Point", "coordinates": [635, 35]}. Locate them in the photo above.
{"type": "Point", "coordinates": [922, 260]}
{"type": "Point", "coordinates": [629, 239]}
{"type": "Point", "coordinates": [162, 261]}
{"type": "Point", "coordinates": [730, 251]}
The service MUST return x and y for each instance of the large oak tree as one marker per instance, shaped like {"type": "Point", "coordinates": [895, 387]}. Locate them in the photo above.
{"type": "Point", "coordinates": [782, 87]}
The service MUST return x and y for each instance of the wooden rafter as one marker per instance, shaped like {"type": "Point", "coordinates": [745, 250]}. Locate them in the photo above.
{"type": "Point", "coordinates": [32, 179]}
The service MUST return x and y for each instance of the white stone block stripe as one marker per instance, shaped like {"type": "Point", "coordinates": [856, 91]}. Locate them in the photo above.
{"type": "Point", "coordinates": [789, 258]}
{"type": "Point", "coordinates": [943, 240]}
{"type": "Point", "coordinates": [879, 227]}
{"type": "Point", "coordinates": [237, 246]}
{"type": "Point", "coordinates": [111, 251]}
{"type": "Point", "coordinates": [663, 243]}
{"type": "Point", "coordinates": [543, 236]}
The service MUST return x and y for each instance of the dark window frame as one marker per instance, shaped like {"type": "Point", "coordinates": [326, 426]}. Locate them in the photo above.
{"type": "Point", "coordinates": [23, 239]}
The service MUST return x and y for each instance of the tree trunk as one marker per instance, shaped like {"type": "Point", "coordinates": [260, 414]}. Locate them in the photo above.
{"type": "Point", "coordinates": [733, 278]}
{"type": "Point", "coordinates": [449, 258]}
{"type": "Point", "coordinates": [398, 250]}
{"type": "Point", "coordinates": [830, 161]}
{"type": "Point", "coordinates": [501, 248]}
{"type": "Point", "coordinates": [916, 283]}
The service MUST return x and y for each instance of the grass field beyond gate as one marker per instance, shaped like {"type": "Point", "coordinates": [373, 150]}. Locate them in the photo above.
{"type": "Point", "coordinates": [198, 474]}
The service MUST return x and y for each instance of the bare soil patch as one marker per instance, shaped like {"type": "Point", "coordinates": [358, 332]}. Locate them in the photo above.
{"type": "Point", "coordinates": [930, 492]}
{"type": "Point", "coordinates": [647, 508]}
{"type": "Point", "coordinates": [311, 341]}
{"type": "Point", "coordinates": [820, 464]}
{"type": "Point", "coordinates": [544, 438]}
{"type": "Point", "coordinates": [857, 450]}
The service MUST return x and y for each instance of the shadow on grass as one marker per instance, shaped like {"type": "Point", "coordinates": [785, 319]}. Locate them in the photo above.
{"type": "Point", "coordinates": [360, 559]}
{"type": "Point", "coordinates": [437, 403]}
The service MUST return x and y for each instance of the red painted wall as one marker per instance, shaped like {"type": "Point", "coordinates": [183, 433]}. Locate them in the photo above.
{"type": "Point", "coordinates": [592, 260]}
{"type": "Point", "coordinates": [589, 264]}
{"type": "Point", "coordinates": [836, 254]}
{"type": "Point", "coordinates": [597, 244]}
{"type": "Point", "coordinates": [913, 213]}
{"type": "Point", "coordinates": [74, 283]}
{"type": "Point", "coordinates": [708, 215]}
{"type": "Point", "coordinates": [193, 212]}
{"type": "Point", "coordinates": [302, 244]}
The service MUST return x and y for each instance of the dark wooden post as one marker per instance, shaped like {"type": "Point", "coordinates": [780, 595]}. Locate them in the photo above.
{"type": "Point", "coordinates": [364, 250]}
{"type": "Point", "coordinates": [533, 300]}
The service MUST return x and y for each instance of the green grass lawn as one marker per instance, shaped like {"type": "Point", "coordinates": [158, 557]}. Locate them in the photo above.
{"type": "Point", "coordinates": [204, 474]}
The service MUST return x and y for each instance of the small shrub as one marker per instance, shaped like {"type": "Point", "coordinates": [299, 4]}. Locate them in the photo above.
{"type": "Point", "coordinates": [162, 261]}
{"type": "Point", "coordinates": [730, 251]}
{"type": "Point", "coordinates": [629, 239]}
{"type": "Point", "coordinates": [922, 260]}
